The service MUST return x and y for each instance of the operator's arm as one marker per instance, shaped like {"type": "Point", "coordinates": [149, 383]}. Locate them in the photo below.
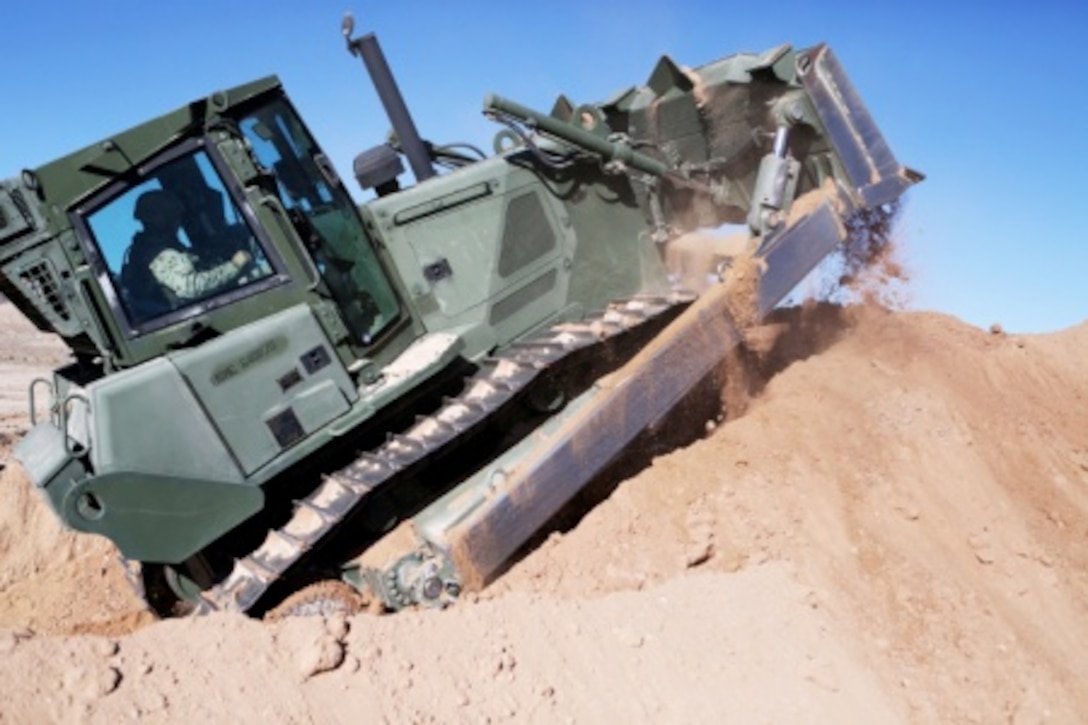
{"type": "Point", "coordinates": [175, 270]}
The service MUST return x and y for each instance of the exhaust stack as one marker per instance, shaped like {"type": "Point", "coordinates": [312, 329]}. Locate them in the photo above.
{"type": "Point", "coordinates": [368, 48]}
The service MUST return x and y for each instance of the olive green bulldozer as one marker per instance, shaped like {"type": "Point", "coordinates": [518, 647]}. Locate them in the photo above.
{"type": "Point", "coordinates": [280, 397]}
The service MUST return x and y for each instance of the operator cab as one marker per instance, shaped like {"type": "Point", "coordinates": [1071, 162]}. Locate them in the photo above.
{"type": "Point", "coordinates": [197, 232]}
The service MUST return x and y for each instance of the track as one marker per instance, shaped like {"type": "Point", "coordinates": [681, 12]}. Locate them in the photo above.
{"type": "Point", "coordinates": [498, 381]}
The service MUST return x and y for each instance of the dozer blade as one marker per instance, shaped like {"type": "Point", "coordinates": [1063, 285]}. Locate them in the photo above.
{"type": "Point", "coordinates": [874, 174]}
{"type": "Point", "coordinates": [482, 523]}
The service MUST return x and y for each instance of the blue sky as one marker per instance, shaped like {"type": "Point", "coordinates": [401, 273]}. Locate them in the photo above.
{"type": "Point", "coordinates": [990, 103]}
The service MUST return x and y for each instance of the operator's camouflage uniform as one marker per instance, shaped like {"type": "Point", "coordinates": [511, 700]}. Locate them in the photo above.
{"type": "Point", "coordinates": [175, 270]}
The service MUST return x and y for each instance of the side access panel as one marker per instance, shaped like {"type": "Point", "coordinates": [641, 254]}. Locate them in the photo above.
{"type": "Point", "coordinates": [147, 419]}
{"type": "Point", "coordinates": [486, 246]}
{"type": "Point", "coordinates": [268, 385]}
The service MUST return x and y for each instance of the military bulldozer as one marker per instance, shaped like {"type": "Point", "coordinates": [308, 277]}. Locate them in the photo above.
{"type": "Point", "coordinates": [273, 387]}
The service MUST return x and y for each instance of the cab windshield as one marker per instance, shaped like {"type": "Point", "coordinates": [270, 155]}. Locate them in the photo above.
{"type": "Point", "coordinates": [326, 218]}
{"type": "Point", "coordinates": [176, 240]}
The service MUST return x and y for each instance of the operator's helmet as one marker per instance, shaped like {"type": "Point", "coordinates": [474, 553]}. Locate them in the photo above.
{"type": "Point", "coordinates": [158, 209]}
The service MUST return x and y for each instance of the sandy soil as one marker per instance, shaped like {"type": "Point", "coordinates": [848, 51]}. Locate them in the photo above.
{"type": "Point", "coordinates": [25, 354]}
{"type": "Point", "coordinates": [896, 529]}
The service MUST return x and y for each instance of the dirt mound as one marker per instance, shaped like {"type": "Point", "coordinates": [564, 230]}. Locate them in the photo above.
{"type": "Point", "coordinates": [893, 530]}
{"type": "Point", "coordinates": [51, 580]}
{"type": "Point", "coordinates": [55, 581]}
{"type": "Point", "coordinates": [927, 481]}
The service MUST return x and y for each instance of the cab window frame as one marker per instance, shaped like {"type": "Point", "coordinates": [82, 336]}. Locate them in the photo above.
{"type": "Point", "coordinates": [109, 283]}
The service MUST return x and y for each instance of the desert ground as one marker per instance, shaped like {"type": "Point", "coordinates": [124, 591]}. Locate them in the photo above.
{"type": "Point", "coordinates": [891, 525]}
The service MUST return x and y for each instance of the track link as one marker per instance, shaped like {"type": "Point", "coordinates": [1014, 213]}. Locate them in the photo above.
{"type": "Point", "coordinates": [498, 380]}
